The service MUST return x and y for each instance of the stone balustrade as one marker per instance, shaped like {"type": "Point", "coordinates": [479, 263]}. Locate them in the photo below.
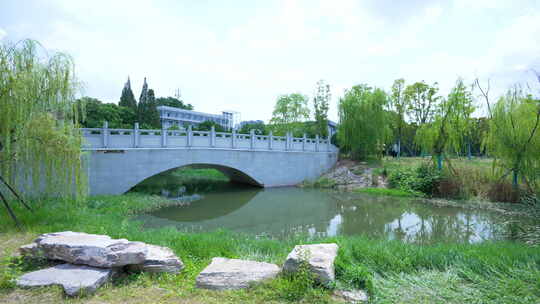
{"type": "Point", "coordinates": [106, 138]}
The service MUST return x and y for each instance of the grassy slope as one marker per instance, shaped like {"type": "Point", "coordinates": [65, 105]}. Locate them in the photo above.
{"type": "Point", "coordinates": [393, 271]}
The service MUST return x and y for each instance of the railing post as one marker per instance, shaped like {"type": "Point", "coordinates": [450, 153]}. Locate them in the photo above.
{"type": "Point", "coordinates": [270, 140]}
{"type": "Point", "coordinates": [304, 138]}
{"type": "Point", "coordinates": [233, 139]}
{"type": "Point", "coordinates": [252, 139]}
{"type": "Point", "coordinates": [163, 136]}
{"type": "Point", "coordinates": [328, 142]}
{"type": "Point", "coordinates": [136, 135]}
{"type": "Point", "coordinates": [213, 137]}
{"type": "Point", "coordinates": [317, 143]}
{"type": "Point", "coordinates": [105, 134]}
{"type": "Point", "coordinates": [189, 136]}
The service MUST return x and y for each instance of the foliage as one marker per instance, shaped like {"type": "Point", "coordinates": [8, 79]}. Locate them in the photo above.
{"type": "Point", "coordinates": [388, 192]}
{"type": "Point", "coordinates": [321, 101]}
{"type": "Point", "coordinates": [207, 126]}
{"type": "Point", "coordinates": [451, 125]}
{"type": "Point", "coordinates": [363, 125]}
{"type": "Point", "coordinates": [38, 120]}
{"type": "Point", "coordinates": [127, 99]}
{"type": "Point", "coordinates": [173, 102]}
{"type": "Point", "coordinates": [423, 179]}
{"type": "Point", "coordinates": [398, 104]}
{"type": "Point", "coordinates": [514, 136]}
{"type": "Point", "coordinates": [289, 112]}
{"type": "Point", "coordinates": [96, 113]}
{"type": "Point", "coordinates": [259, 127]}
{"type": "Point", "coordinates": [148, 114]}
{"type": "Point", "coordinates": [421, 99]}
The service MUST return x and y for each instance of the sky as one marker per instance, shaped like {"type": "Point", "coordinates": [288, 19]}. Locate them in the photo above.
{"type": "Point", "coordinates": [241, 55]}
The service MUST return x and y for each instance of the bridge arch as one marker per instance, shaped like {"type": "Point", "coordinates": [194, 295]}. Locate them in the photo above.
{"type": "Point", "coordinates": [234, 174]}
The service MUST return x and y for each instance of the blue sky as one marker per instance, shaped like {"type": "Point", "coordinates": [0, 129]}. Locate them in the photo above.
{"type": "Point", "coordinates": [241, 55]}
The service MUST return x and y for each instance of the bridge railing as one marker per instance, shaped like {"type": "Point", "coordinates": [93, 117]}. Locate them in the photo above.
{"type": "Point", "coordinates": [106, 138]}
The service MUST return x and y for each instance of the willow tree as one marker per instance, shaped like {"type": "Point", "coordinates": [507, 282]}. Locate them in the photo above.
{"type": "Point", "coordinates": [363, 121]}
{"type": "Point", "coordinates": [40, 145]}
{"type": "Point", "coordinates": [514, 136]}
{"type": "Point", "coordinates": [321, 100]}
{"type": "Point", "coordinates": [289, 113]}
{"type": "Point", "coordinates": [451, 124]}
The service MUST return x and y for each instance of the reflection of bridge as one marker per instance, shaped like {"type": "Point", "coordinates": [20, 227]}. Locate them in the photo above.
{"type": "Point", "coordinates": [121, 158]}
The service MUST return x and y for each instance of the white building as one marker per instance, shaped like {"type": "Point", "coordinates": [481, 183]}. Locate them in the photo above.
{"type": "Point", "coordinates": [171, 116]}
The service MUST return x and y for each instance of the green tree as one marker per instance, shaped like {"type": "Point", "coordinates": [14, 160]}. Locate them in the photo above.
{"type": "Point", "coordinates": [259, 127]}
{"type": "Point", "coordinates": [96, 113]}
{"type": "Point", "coordinates": [399, 105]}
{"type": "Point", "coordinates": [451, 125]}
{"type": "Point", "coordinates": [147, 113]}
{"type": "Point", "coordinates": [421, 101]}
{"type": "Point", "coordinates": [207, 126]}
{"type": "Point", "coordinates": [289, 113]}
{"type": "Point", "coordinates": [127, 99]}
{"type": "Point", "coordinates": [321, 102]}
{"type": "Point", "coordinates": [39, 137]}
{"type": "Point", "coordinates": [514, 136]}
{"type": "Point", "coordinates": [363, 126]}
{"type": "Point", "coordinates": [173, 102]}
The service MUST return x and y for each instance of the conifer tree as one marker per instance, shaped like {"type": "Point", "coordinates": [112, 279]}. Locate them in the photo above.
{"type": "Point", "coordinates": [127, 99]}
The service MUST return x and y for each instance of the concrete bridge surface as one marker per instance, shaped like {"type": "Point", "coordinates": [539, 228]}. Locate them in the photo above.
{"type": "Point", "coordinates": [119, 159]}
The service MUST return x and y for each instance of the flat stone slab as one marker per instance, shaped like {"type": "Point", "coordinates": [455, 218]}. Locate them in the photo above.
{"type": "Point", "coordinates": [90, 249]}
{"type": "Point", "coordinates": [159, 259]}
{"type": "Point", "coordinates": [319, 257]}
{"type": "Point", "coordinates": [352, 296]}
{"type": "Point", "coordinates": [225, 273]}
{"type": "Point", "coordinates": [75, 279]}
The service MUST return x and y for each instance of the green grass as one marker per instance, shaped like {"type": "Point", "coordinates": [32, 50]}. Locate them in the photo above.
{"type": "Point", "coordinates": [393, 272]}
{"type": "Point", "coordinates": [192, 180]}
{"type": "Point", "coordinates": [387, 192]}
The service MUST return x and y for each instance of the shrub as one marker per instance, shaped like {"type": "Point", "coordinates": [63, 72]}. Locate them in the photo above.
{"type": "Point", "coordinates": [503, 191]}
{"type": "Point", "coordinates": [424, 179]}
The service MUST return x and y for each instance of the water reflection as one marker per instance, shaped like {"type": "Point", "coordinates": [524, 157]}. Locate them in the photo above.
{"type": "Point", "coordinates": [281, 212]}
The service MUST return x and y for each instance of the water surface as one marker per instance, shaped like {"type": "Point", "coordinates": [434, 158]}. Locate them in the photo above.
{"type": "Point", "coordinates": [281, 212]}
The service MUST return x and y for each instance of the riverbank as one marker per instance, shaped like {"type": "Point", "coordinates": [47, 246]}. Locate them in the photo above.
{"type": "Point", "coordinates": [393, 272]}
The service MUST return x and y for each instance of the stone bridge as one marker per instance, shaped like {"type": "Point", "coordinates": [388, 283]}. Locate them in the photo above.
{"type": "Point", "coordinates": [119, 159]}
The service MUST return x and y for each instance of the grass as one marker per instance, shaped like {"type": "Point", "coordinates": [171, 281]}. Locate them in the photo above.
{"type": "Point", "coordinates": [392, 271]}
{"type": "Point", "coordinates": [189, 180]}
{"type": "Point", "coordinates": [388, 192]}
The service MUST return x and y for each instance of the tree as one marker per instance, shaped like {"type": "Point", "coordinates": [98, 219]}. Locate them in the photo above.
{"type": "Point", "coordinates": [147, 113]}
{"type": "Point", "coordinates": [514, 135]}
{"type": "Point", "coordinates": [451, 125]}
{"type": "Point", "coordinates": [399, 104]}
{"type": "Point", "coordinates": [259, 128]}
{"type": "Point", "coordinates": [127, 99]}
{"type": "Point", "coordinates": [96, 113]}
{"type": "Point", "coordinates": [289, 112]}
{"type": "Point", "coordinates": [39, 138]}
{"type": "Point", "coordinates": [207, 126]}
{"type": "Point", "coordinates": [173, 102]}
{"type": "Point", "coordinates": [321, 101]}
{"type": "Point", "coordinates": [363, 125]}
{"type": "Point", "coordinates": [421, 101]}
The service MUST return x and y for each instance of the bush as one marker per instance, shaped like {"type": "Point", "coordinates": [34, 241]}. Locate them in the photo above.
{"type": "Point", "coordinates": [424, 179]}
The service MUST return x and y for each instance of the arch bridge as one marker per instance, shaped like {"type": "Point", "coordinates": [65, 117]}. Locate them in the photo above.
{"type": "Point", "coordinates": [119, 159]}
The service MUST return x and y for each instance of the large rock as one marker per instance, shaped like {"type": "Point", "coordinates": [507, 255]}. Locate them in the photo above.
{"type": "Point", "coordinates": [75, 279]}
{"type": "Point", "coordinates": [319, 257]}
{"type": "Point", "coordinates": [225, 273]}
{"type": "Point", "coordinates": [31, 250]}
{"type": "Point", "coordinates": [159, 259]}
{"type": "Point", "coordinates": [91, 249]}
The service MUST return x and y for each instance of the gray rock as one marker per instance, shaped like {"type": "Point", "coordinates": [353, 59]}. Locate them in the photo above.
{"type": "Point", "coordinates": [225, 273]}
{"type": "Point", "coordinates": [319, 257]}
{"type": "Point", "coordinates": [352, 296]}
{"type": "Point", "coordinates": [91, 249]}
{"type": "Point", "coordinates": [159, 259]}
{"type": "Point", "coordinates": [75, 279]}
{"type": "Point", "coordinates": [31, 250]}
